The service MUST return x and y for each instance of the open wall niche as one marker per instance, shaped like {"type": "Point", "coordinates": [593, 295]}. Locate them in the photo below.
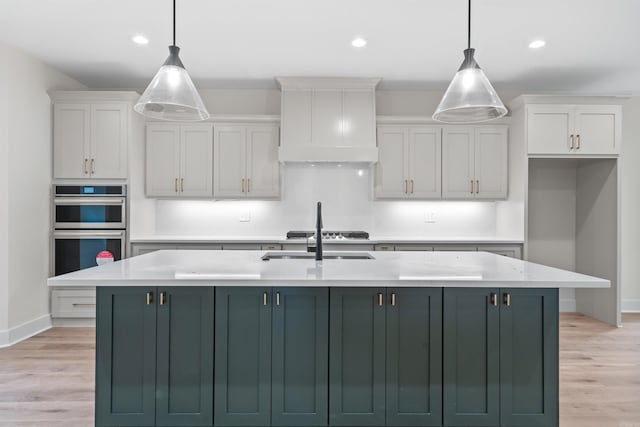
{"type": "Point", "coordinates": [573, 218]}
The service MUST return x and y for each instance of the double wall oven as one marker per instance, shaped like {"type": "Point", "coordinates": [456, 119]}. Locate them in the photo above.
{"type": "Point", "coordinates": [90, 226]}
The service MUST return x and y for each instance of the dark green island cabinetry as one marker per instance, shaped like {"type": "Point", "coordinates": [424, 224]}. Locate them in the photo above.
{"type": "Point", "coordinates": [318, 356]}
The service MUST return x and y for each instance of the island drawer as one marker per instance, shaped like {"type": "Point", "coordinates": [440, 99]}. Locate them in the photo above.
{"type": "Point", "coordinates": [73, 303]}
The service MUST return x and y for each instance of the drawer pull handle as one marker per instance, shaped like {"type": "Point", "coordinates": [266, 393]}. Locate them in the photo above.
{"type": "Point", "coordinates": [93, 170]}
{"type": "Point", "coordinates": [182, 185]}
{"type": "Point", "coordinates": [149, 298]}
{"type": "Point", "coordinates": [471, 186]}
{"type": "Point", "coordinates": [393, 299]}
{"type": "Point", "coordinates": [85, 166]}
{"type": "Point", "coordinates": [405, 186]}
{"type": "Point", "coordinates": [248, 185]}
{"type": "Point", "coordinates": [163, 298]}
{"type": "Point", "coordinates": [243, 185]}
{"type": "Point", "coordinates": [494, 299]}
{"type": "Point", "coordinates": [264, 298]}
{"type": "Point", "coordinates": [577, 142]}
{"type": "Point", "coordinates": [507, 300]}
{"type": "Point", "coordinates": [380, 299]}
{"type": "Point", "coordinates": [83, 305]}
{"type": "Point", "coordinates": [176, 186]}
{"type": "Point", "coordinates": [411, 186]}
{"type": "Point", "coordinates": [571, 145]}
{"type": "Point", "coordinates": [477, 186]}
{"type": "Point", "coordinates": [277, 298]}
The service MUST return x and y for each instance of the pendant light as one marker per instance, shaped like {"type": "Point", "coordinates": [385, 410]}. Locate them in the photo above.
{"type": "Point", "coordinates": [171, 95]}
{"type": "Point", "coordinates": [470, 97]}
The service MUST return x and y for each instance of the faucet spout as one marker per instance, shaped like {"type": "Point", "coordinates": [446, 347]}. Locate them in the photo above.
{"type": "Point", "coordinates": [319, 232]}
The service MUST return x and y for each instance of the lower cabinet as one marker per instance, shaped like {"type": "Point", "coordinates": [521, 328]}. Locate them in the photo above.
{"type": "Point", "coordinates": [271, 356]}
{"type": "Point", "coordinates": [288, 356]}
{"type": "Point", "coordinates": [154, 356]}
{"type": "Point", "coordinates": [500, 352]}
{"type": "Point", "coordinates": [385, 357]}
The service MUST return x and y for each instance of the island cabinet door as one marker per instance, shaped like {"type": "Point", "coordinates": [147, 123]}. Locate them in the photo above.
{"type": "Point", "coordinates": [357, 356]}
{"type": "Point", "coordinates": [414, 357]}
{"type": "Point", "coordinates": [242, 394]}
{"type": "Point", "coordinates": [125, 356]}
{"type": "Point", "coordinates": [184, 382]}
{"type": "Point", "coordinates": [471, 353]}
{"type": "Point", "coordinates": [300, 369]}
{"type": "Point", "coordinates": [529, 357]}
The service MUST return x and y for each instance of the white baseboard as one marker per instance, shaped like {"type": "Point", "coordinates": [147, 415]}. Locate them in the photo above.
{"type": "Point", "coordinates": [9, 337]}
{"type": "Point", "coordinates": [631, 305]}
{"type": "Point", "coordinates": [567, 305]}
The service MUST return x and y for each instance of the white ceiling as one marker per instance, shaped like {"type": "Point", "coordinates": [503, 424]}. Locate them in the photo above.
{"type": "Point", "coordinates": [591, 44]}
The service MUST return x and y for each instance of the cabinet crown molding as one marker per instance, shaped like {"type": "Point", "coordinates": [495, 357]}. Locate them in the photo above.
{"type": "Point", "coordinates": [327, 82]}
{"type": "Point", "coordinates": [93, 96]}
{"type": "Point", "coordinates": [522, 100]}
{"type": "Point", "coordinates": [426, 120]}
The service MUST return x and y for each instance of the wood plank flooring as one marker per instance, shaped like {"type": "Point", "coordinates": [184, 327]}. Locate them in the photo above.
{"type": "Point", "coordinates": [48, 380]}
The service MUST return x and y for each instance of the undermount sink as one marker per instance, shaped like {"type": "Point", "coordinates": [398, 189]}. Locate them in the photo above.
{"type": "Point", "coordinates": [310, 255]}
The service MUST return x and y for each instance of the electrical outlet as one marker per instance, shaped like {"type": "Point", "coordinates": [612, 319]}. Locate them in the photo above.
{"type": "Point", "coordinates": [430, 217]}
{"type": "Point", "coordinates": [245, 217]}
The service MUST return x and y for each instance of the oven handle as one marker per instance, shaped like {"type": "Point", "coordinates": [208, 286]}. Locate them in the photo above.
{"type": "Point", "coordinates": [80, 234]}
{"type": "Point", "coordinates": [76, 201]}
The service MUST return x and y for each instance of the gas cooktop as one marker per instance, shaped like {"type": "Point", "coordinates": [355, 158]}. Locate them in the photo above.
{"type": "Point", "coordinates": [330, 235]}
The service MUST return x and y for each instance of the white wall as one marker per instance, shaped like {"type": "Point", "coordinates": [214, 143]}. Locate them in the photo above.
{"type": "Point", "coordinates": [26, 145]}
{"type": "Point", "coordinates": [630, 200]}
{"type": "Point", "coordinates": [4, 193]}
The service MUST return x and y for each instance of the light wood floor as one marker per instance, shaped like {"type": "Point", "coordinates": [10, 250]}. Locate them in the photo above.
{"type": "Point", "coordinates": [48, 380]}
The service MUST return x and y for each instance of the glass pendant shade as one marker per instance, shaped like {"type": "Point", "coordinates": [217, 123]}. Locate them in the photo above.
{"type": "Point", "coordinates": [470, 98]}
{"type": "Point", "coordinates": [171, 95]}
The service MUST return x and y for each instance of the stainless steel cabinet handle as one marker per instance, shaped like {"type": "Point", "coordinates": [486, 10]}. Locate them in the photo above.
{"type": "Point", "coordinates": [243, 185]}
{"type": "Point", "coordinates": [84, 167]}
{"type": "Point", "coordinates": [577, 142]}
{"type": "Point", "coordinates": [411, 186]}
{"type": "Point", "coordinates": [471, 186]}
{"type": "Point", "coordinates": [182, 185]}
{"type": "Point", "coordinates": [405, 186]}
{"type": "Point", "coordinates": [264, 298]}
{"type": "Point", "coordinates": [277, 298]}
{"type": "Point", "coordinates": [93, 161]}
{"type": "Point", "coordinates": [163, 298]}
{"type": "Point", "coordinates": [248, 185]}
{"type": "Point", "coordinates": [507, 299]}
{"type": "Point", "coordinates": [571, 145]}
{"type": "Point", "coordinates": [380, 300]}
{"type": "Point", "coordinates": [393, 299]}
{"type": "Point", "coordinates": [176, 186]}
{"type": "Point", "coordinates": [494, 299]}
{"type": "Point", "coordinates": [149, 298]}
{"type": "Point", "coordinates": [477, 186]}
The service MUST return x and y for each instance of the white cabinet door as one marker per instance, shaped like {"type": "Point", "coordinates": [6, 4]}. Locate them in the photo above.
{"type": "Point", "coordinates": [491, 163]}
{"type": "Point", "coordinates": [425, 162]}
{"type": "Point", "coordinates": [263, 169]}
{"type": "Point", "coordinates": [71, 134]}
{"type": "Point", "coordinates": [229, 161]}
{"type": "Point", "coordinates": [458, 163]}
{"type": "Point", "coordinates": [358, 121]}
{"type": "Point", "coordinates": [109, 138]}
{"type": "Point", "coordinates": [392, 169]}
{"type": "Point", "coordinates": [327, 117]}
{"type": "Point", "coordinates": [598, 129]}
{"type": "Point", "coordinates": [549, 128]}
{"type": "Point", "coordinates": [163, 160]}
{"type": "Point", "coordinates": [196, 160]}
{"type": "Point", "coordinates": [296, 116]}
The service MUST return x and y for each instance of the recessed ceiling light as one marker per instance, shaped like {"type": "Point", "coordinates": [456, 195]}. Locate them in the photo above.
{"type": "Point", "coordinates": [359, 42]}
{"type": "Point", "coordinates": [536, 44]}
{"type": "Point", "coordinates": [139, 39]}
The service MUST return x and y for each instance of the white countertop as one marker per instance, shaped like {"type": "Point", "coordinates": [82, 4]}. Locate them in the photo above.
{"type": "Point", "coordinates": [397, 269]}
{"type": "Point", "coordinates": [373, 239]}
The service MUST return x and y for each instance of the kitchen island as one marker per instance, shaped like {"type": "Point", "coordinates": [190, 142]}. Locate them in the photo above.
{"type": "Point", "coordinates": [202, 338]}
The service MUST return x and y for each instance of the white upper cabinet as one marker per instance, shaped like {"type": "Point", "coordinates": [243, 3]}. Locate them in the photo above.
{"type": "Point", "coordinates": [327, 119]}
{"type": "Point", "coordinates": [91, 134]}
{"type": "Point", "coordinates": [474, 163]}
{"type": "Point", "coordinates": [246, 161]}
{"type": "Point", "coordinates": [409, 162]}
{"type": "Point", "coordinates": [562, 129]}
{"type": "Point", "coordinates": [179, 160]}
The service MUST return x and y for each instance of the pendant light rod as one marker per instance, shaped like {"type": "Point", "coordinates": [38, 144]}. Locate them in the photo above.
{"type": "Point", "coordinates": [468, 28]}
{"type": "Point", "coordinates": [174, 22]}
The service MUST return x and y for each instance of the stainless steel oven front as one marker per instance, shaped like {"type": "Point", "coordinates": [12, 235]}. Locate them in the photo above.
{"type": "Point", "coordinates": [89, 207]}
{"type": "Point", "coordinates": [78, 249]}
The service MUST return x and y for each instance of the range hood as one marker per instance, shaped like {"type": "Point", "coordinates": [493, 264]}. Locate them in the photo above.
{"type": "Point", "coordinates": [326, 119]}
